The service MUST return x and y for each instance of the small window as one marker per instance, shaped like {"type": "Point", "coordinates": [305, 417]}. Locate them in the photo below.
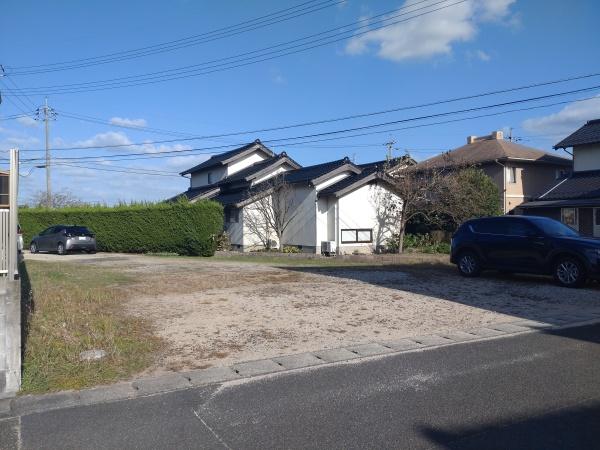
{"type": "Point", "coordinates": [511, 175]}
{"type": "Point", "coordinates": [597, 217]}
{"type": "Point", "coordinates": [357, 236]}
{"type": "Point", "coordinates": [4, 197]}
{"type": "Point", "coordinates": [561, 173]}
{"type": "Point", "coordinates": [570, 217]}
{"type": "Point", "coordinates": [210, 177]}
{"type": "Point", "coordinates": [232, 215]}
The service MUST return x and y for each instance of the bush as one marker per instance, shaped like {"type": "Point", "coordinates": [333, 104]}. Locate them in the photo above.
{"type": "Point", "coordinates": [179, 227]}
{"type": "Point", "coordinates": [291, 249]}
{"type": "Point", "coordinates": [419, 242]}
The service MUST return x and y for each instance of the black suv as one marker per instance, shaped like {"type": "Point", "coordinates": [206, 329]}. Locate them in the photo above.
{"type": "Point", "coordinates": [526, 244]}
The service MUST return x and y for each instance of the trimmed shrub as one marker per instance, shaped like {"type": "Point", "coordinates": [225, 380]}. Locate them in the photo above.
{"type": "Point", "coordinates": [179, 227]}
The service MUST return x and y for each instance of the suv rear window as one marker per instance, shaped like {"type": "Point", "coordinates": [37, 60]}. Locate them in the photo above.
{"type": "Point", "coordinates": [78, 231]}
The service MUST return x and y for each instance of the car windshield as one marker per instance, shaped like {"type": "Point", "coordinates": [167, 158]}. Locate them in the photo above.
{"type": "Point", "coordinates": [555, 228]}
{"type": "Point", "coordinates": [78, 231]}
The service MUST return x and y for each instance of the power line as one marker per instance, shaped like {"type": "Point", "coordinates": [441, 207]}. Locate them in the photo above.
{"type": "Point", "coordinates": [225, 32]}
{"type": "Point", "coordinates": [186, 72]}
{"type": "Point", "coordinates": [126, 170]}
{"type": "Point", "coordinates": [211, 150]}
{"type": "Point", "coordinates": [382, 124]}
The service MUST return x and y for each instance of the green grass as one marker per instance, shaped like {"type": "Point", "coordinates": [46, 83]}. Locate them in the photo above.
{"type": "Point", "coordinates": [77, 308]}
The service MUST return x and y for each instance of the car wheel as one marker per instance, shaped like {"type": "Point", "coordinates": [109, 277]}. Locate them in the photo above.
{"type": "Point", "coordinates": [469, 264]}
{"type": "Point", "coordinates": [569, 272]}
{"type": "Point", "coordinates": [33, 247]}
{"type": "Point", "coordinates": [60, 249]}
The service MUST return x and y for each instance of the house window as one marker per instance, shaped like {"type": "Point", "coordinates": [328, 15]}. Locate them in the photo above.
{"type": "Point", "coordinates": [210, 177]}
{"type": "Point", "coordinates": [561, 173]}
{"type": "Point", "coordinates": [597, 217]}
{"type": "Point", "coordinates": [570, 217]}
{"type": "Point", "coordinates": [357, 236]}
{"type": "Point", "coordinates": [4, 190]}
{"type": "Point", "coordinates": [232, 215]}
{"type": "Point", "coordinates": [511, 174]}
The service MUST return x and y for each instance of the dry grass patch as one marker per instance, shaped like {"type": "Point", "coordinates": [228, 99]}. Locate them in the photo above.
{"type": "Point", "coordinates": [77, 308]}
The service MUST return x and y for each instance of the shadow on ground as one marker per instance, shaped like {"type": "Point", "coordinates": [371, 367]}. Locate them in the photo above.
{"type": "Point", "coordinates": [576, 427]}
{"type": "Point", "coordinates": [522, 296]}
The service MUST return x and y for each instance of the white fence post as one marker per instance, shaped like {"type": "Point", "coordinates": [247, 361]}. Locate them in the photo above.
{"type": "Point", "coordinates": [13, 271]}
{"type": "Point", "coordinates": [10, 296]}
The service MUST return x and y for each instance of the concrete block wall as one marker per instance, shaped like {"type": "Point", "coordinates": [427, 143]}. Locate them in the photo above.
{"type": "Point", "coordinates": [10, 337]}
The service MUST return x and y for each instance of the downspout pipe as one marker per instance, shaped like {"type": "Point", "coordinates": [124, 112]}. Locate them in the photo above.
{"type": "Point", "coordinates": [503, 185]}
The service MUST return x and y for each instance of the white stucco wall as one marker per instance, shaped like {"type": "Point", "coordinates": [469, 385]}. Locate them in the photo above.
{"type": "Point", "coordinates": [332, 180]}
{"type": "Point", "coordinates": [247, 161]}
{"type": "Point", "coordinates": [586, 157]}
{"type": "Point", "coordinates": [272, 174]}
{"type": "Point", "coordinates": [362, 209]}
{"type": "Point", "coordinates": [201, 178]}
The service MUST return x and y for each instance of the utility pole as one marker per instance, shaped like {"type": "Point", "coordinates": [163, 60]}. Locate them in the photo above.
{"type": "Point", "coordinates": [390, 149]}
{"type": "Point", "coordinates": [47, 114]}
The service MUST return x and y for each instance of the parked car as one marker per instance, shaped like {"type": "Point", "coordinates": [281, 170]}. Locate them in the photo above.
{"type": "Point", "coordinates": [526, 244]}
{"type": "Point", "coordinates": [63, 239]}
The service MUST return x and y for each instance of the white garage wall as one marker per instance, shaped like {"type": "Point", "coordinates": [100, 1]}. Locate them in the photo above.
{"type": "Point", "coordinates": [364, 208]}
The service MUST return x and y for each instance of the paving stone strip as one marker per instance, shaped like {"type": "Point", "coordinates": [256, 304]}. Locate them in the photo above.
{"type": "Point", "coordinates": [29, 404]}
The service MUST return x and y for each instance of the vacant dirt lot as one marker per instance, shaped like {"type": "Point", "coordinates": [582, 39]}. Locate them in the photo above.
{"type": "Point", "coordinates": [217, 311]}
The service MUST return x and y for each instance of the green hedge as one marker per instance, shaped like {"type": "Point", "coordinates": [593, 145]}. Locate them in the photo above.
{"type": "Point", "coordinates": [181, 227]}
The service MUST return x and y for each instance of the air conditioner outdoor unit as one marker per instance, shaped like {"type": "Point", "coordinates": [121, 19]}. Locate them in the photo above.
{"type": "Point", "coordinates": [328, 248]}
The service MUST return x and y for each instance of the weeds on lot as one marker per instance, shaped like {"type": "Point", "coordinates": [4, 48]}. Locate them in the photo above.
{"type": "Point", "coordinates": [77, 308]}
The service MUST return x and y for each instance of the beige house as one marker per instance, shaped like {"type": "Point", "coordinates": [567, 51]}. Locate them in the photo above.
{"type": "Point", "coordinates": [521, 173]}
{"type": "Point", "coordinates": [576, 200]}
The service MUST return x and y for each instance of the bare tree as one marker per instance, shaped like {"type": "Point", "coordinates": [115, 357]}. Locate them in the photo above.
{"type": "Point", "coordinates": [274, 208]}
{"type": "Point", "coordinates": [418, 193]}
{"type": "Point", "coordinates": [62, 199]}
{"type": "Point", "coordinates": [256, 224]}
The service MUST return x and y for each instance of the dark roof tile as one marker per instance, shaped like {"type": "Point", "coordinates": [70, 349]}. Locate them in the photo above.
{"type": "Point", "coordinates": [587, 134]}
{"type": "Point", "coordinates": [221, 158]}
{"type": "Point", "coordinates": [580, 185]}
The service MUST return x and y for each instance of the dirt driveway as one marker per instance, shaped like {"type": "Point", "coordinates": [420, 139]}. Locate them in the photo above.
{"type": "Point", "coordinates": [214, 312]}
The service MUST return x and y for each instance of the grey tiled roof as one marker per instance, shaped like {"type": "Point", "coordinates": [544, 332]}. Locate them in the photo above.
{"type": "Point", "coordinates": [193, 193]}
{"type": "Point", "coordinates": [578, 202]}
{"type": "Point", "coordinates": [587, 134]}
{"type": "Point", "coordinates": [309, 173]}
{"type": "Point", "coordinates": [219, 159]}
{"type": "Point", "coordinates": [489, 150]}
{"type": "Point", "coordinates": [580, 185]}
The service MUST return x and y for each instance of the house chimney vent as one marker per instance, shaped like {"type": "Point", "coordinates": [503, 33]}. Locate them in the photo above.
{"type": "Point", "coordinates": [497, 135]}
{"type": "Point", "coordinates": [471, 139]}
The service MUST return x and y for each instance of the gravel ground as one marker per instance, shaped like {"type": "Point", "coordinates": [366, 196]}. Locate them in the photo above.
{"type": "Point", "coordinates": [216, 312]}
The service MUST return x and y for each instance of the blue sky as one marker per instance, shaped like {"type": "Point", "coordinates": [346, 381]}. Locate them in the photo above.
{"type": "Point", "coordinates": [466, 48]}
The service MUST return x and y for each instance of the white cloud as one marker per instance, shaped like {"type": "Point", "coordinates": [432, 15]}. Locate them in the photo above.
{"type": "Point", "coordinates": [22, 141]}
{"type": "Point", "coordinates": [105, 139]}
{"type": "Point", "coordinates": [123, 121]}
{"type": "Point", "coordinates": [483, 56]}
{"type": "Point", "coordinates": [567, 119]}
{"type": "Point", "coordinates": [431, 34]}
{"type": "Point", "coordinates": [27, 121]}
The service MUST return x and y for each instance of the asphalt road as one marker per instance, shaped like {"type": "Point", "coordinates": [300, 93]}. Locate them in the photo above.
{"type": "Point", "coordinates": [530, 391]}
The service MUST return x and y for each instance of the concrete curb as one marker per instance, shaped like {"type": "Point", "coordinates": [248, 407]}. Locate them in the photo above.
{"type": "Point", "coordinates": [144, 387]}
